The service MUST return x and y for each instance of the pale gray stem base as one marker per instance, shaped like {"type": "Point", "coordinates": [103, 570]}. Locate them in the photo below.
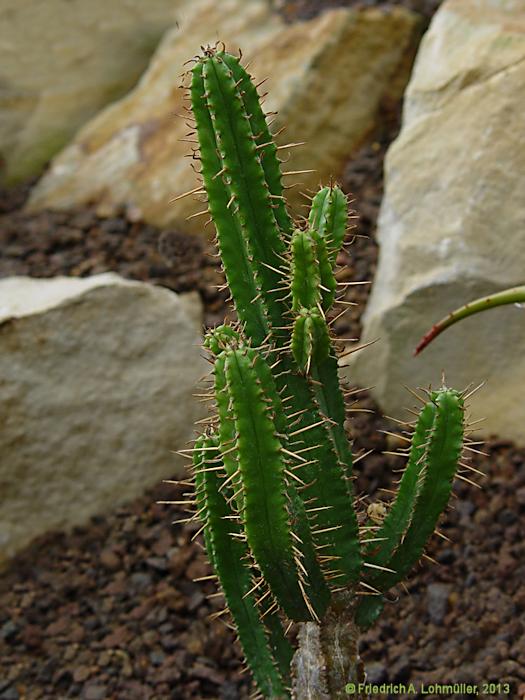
{"type": "Point", "coordinates": [327, 658]}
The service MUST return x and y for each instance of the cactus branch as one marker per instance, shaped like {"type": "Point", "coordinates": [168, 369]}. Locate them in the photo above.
{"type": "Point", "coordinates": [234, 251]}
{"type": "Point", "coordinates": [228, 556]}
{"type": "Point", "coordinates": [262, 466]}
{"type": "Point", "coordinates": [329, 218]}
{"type": "Point", "coordinates": [423, 494]}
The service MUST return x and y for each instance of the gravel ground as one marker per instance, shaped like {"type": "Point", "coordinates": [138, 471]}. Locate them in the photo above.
{"type": "Point", "coordinates": [111, 611]}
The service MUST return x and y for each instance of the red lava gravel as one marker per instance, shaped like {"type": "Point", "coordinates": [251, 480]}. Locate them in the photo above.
{"type": "Point", "coordinates": [111, 611]}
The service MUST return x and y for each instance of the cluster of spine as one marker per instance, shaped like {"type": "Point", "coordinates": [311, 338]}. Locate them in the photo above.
{"type": "Point", "coordinates": [273, 469]}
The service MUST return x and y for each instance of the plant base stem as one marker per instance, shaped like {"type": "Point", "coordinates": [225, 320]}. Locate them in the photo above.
{"type": "Point", "coordinates": [327, 658]}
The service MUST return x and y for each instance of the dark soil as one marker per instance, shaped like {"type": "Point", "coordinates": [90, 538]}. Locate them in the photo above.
{"type": "Point", "coordinates": [112, 612]}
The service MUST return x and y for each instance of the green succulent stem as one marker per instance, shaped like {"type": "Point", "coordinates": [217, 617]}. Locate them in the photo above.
{"type": "Point", "coordinates": [229, 556]}
{"type": "Point", "coordinates": [423, 494]}
{"type": "Point", "coordinates": [273, 471]}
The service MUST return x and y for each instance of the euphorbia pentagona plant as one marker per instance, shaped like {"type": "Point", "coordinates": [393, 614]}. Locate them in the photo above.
{"type": "Point", "coordinates": [273, 468]}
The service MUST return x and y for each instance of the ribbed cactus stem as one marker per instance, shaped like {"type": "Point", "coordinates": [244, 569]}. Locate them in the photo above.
{"type": "Point", "coordinates": [422, 496]}
{"type": "Point", "coordinates": [262, 469]}
{"type": "Point", "coordinates": [329, 218]}
{"type": "Point", "coordinates": [232, 163]}
{"type": "Point", "coordinates": [310, 339]}
{"type": "Point", "coordinates": [266, 148]}
{"type": "Point", "coordinates": [305, 272]}
{"type": "Point", "coordinates": [273, 470]}
{"type": "Point", "coordinates": [229, 556]}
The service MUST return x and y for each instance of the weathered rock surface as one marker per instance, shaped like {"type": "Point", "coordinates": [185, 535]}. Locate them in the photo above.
{"type": "Point", "coordinates": [60, 62]}
{"type": "Point", "coordinates": [452, 224]}
{"type": "Point", "coordinates": [328, 78]}
{"type": "Point", "coordinates": [96, 386]}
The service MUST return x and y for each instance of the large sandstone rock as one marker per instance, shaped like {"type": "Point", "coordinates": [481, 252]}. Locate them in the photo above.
{"type": "Point", "coordinates": [60, 62]}
{"type": "Point", "coordinates": [96, 386]}
{"type": "Point", "coordinates": [452, 224]}
{"type": "Point", "coordinates": [328, 78]}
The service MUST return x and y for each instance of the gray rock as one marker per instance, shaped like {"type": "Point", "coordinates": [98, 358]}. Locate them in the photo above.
{"type": "Point", "coordinates": [140, 580]}
{"type": "Point", "coordinates": [95, 692]}
{"type": "Point", "coordinates": [10, 693]}
{"type": "Point", "coordinates": [376, 673]}
{"type": "Point", "coordinates": [97, 377]}
{"type": "Point", "coordinates": [452, 223]}
{"type": "Point", "coordinates": [437, 602]}
{"type": "Point", "coordinates": [60, 62]}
